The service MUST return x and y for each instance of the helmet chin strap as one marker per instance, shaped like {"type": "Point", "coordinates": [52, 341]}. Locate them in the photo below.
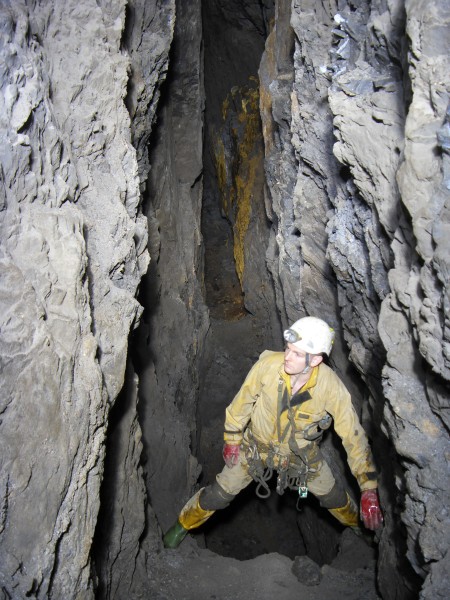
{"type": "Point", "coordinates": [307, 368]}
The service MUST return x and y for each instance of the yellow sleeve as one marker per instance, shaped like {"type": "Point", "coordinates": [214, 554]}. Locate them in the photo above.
{"type": "Point", "coordinates": [353, 436]}
{"type": "Point", "coordinates": [237, 414]}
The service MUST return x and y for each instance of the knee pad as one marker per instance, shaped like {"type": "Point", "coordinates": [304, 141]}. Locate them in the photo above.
{"type": "Point", "coordinates": [214, 497]}
{"type": "Point", "coordinates": [336, 497]}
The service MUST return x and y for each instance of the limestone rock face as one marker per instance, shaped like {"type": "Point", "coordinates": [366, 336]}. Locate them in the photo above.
{"type": "Point", "coordinates": [234, 176]}
{"type": "Point", "coordinates": [357, 124]}
{"type": "Point", "coordinates": [147, 37]}
{"type": "Point", "coordinates": [119, 549]}
{"type": "Point", "coordinates": [170, 338]}
{"type": "Point", "coordinates": [414, 317]}
{"type": "Point", "coordinates": [74, 248]}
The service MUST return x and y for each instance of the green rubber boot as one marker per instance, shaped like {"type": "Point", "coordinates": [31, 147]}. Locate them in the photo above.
{"type": "Point", "coordinates": [175, 535]}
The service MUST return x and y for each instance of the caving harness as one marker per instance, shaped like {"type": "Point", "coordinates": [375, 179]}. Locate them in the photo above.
{"type": "Point", "coordinates": [293, 469]}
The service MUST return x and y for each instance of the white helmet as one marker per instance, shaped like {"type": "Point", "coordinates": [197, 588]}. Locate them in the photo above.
{"type": "Point", "coordinates": [310, 334]}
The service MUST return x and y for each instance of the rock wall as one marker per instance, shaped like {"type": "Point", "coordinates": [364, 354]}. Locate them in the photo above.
{"type": "Point", "coordinates": [234, 149]}
{"type": "Point", "coordinates": [414, 320]}
{"type": "Point", "coordinates": [170, 339]}
{"type": "Point", "coordinates": [74, 248]}
{"type": "Point", "coordinates": [356, 138]}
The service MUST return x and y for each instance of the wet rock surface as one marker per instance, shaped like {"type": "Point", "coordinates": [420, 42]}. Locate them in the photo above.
{"type": "Point", "coordinates": [74, 247]}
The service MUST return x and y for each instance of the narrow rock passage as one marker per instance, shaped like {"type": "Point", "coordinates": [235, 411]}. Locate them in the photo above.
{"type": "Point", "coordinates": [234, 342]}
{"type": "Point", "coordinates": [253, 549]}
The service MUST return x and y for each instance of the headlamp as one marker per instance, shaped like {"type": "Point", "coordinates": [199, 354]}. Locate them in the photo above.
{"type": "Point", "coordinates": [291, 336]}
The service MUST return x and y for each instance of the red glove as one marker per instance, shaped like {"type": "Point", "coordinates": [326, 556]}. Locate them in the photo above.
{"type": "Point", "coordinates": [370, 509]}
{"type": "Point", "coordinates": [230, 454]}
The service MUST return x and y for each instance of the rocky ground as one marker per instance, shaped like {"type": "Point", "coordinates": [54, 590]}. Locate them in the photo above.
{"type": "Point", "coordinates": [194, 573]}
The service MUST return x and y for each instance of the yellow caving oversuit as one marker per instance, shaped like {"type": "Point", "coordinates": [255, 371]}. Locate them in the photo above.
{"type": "Point", "coordinates": [283, 433]}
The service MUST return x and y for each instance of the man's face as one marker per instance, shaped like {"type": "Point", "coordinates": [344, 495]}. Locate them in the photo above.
{"type": "Point", "coordinates": [295, 360]}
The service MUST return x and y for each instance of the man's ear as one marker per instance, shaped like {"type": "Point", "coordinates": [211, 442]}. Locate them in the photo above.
{"type": "Point", "coordinates": [316, 359]}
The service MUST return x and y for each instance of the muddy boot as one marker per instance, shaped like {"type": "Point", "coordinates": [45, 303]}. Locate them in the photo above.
{"type": "Point", "coordinates": [347, 514]}
{"type": "Point", "coordinates": [191, 516]}
{"type": "Point", "coordinates": [175, 535]}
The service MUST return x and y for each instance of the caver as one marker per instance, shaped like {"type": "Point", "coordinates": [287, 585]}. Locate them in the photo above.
{"type": "Point", "coordinates": [275, 424]}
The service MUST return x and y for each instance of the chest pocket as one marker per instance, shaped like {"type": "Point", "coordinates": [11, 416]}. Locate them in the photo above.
{"type": "Point", "coordinates": [302, 410]}
{"type": "Point", "coordinates": [310, 425]}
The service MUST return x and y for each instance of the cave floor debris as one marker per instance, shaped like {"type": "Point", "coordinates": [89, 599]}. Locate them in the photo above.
{"type": "Point", "coordinates": [194, 573]}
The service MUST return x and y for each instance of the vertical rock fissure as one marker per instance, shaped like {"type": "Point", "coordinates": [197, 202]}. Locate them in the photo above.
{"type": "Point", "coordinates": [239, 289]}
